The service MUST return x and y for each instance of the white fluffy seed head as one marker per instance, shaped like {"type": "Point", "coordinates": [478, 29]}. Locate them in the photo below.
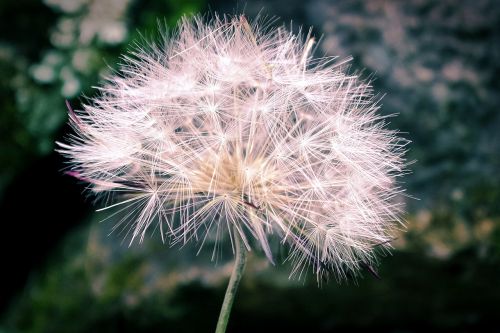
{"type": "Point", "coordinates": [227, 125]}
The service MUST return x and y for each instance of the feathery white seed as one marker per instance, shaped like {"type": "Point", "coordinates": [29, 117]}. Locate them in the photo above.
{"type": "Point", "coordinates": [227, 124]}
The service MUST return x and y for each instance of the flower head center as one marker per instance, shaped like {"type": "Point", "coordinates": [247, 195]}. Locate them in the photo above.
{"type": "Point", "coordinates": [235, 176]}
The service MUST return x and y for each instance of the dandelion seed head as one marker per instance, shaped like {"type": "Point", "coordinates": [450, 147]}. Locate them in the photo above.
{"type": "Point", "coordinates": [227, 125]}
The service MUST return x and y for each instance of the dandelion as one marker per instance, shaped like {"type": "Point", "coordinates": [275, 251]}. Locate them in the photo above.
{"type": "Point", "coordinates": [233, 128]}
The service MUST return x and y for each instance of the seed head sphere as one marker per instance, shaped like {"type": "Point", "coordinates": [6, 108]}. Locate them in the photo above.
{"type": "Point", "coordinates": [232, 128]}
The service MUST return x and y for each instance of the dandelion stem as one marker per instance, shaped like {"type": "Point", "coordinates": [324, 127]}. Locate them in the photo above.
{"type": "Point", "coordinates": [234, 281]}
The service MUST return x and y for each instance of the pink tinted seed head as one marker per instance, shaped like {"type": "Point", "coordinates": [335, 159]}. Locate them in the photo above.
{"type": "Point", "coordinates": [227, 125]}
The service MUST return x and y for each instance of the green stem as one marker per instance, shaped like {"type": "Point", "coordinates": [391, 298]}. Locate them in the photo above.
{"type": "Point", "coordinates": [234, 281]}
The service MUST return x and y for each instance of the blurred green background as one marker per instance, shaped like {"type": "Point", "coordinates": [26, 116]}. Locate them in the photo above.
{"type": "Point", "coordinates": [437, 61]}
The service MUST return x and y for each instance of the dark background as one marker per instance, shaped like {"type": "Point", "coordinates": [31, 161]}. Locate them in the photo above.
{"type": "Point", "coordinates": [438, 62]}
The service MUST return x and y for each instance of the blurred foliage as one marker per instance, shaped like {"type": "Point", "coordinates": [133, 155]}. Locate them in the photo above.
{"type": "Point", "coordinates": [109, 287]}
{"type": "Point", "coordinates": [57, 50]}
{"type": "Point", "coordinates": [438, 62]}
